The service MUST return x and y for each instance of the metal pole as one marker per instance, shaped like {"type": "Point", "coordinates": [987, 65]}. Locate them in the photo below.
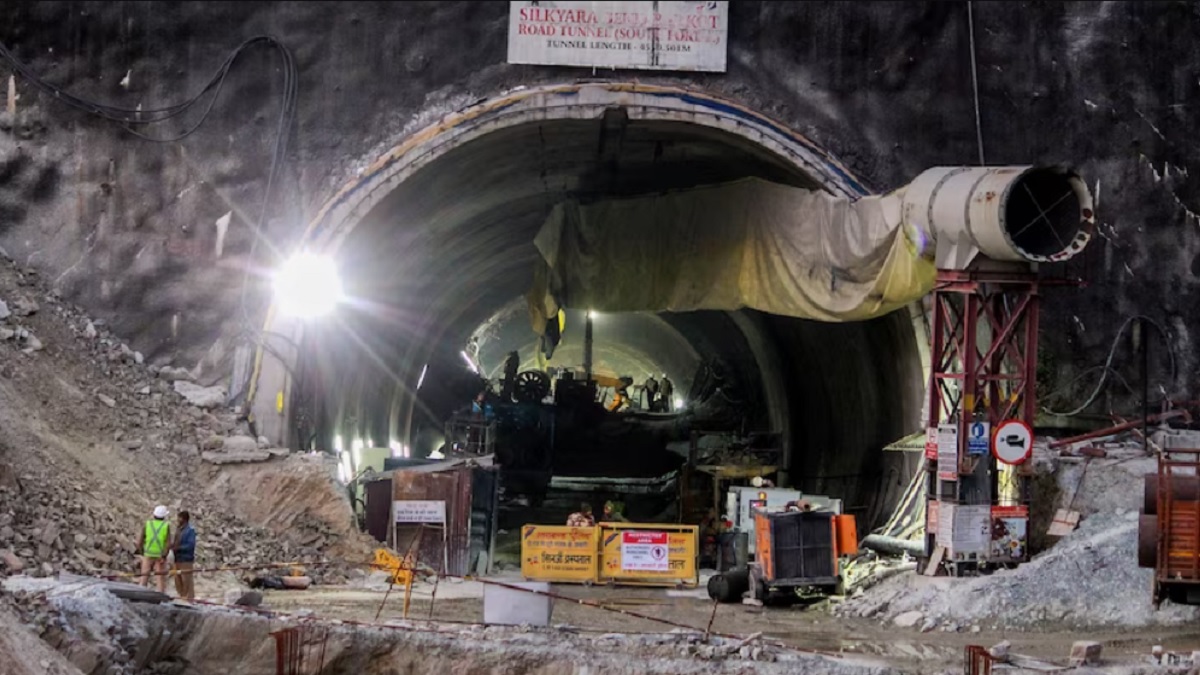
{"type": "Point", "coordinates": [1145, 386]}
{"type": "Point", "coordinates": [587, 346]}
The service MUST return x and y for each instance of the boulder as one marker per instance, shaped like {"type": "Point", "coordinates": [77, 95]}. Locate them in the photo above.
{"type": "Point", "coordinates": [908, 619]}
{"type": "Point", "coordinates": [175, 374]}
{"type": "Point", "coordinates": [24, 307]}
{"type": "Point", "coordinates": [235, 457]}
{"type": "Point", "coordinates": [201, 397]}
{"type": "Point", "coordinates": [240, 444]}
{"type": "Point", "coordinates": [11, 560]}
{"type": "Point", "coordinates": [241, 598]}
{"type": "Point", "coordinates": [5, 312]}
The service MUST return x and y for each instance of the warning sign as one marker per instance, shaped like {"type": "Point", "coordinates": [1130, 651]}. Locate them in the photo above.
{"type": "Point", "coordinates": [947, 449]}
{"type": "Point", "coordinates": [644, 552]}
{"type": "Point", "coordinates": [679, 568]}
{"type": "Point", "coordinates": [555, 553]}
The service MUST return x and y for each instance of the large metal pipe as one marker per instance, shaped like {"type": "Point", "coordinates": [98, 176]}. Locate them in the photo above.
{"type": "Point", "coordinates": [893, 546]}
{"type": "Point", "coordinates": [1011, 213]}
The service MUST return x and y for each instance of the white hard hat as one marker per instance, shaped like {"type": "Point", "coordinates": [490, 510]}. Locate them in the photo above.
{"type": "Point", "coordinates": [160, 511]}
{"type": "Point", "coordinates": [757, 481]}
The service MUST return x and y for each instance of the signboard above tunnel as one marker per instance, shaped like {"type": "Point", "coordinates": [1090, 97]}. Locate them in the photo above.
{"type": "Point", "coordinates": [686, 36]}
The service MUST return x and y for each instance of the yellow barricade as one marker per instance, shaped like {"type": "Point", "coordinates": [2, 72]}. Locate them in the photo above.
{"type": "Point", "coordinates": [648, 554]}
{"type": "Point", "coordinates": [559, 554]}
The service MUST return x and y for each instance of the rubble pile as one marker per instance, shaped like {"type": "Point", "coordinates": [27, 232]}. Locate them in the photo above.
{"type": "Point", "coordinates": [92, 437]}
{"type": "Point", "coordinates": [1089, 579]}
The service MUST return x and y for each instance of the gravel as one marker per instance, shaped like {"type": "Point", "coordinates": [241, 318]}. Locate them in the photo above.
{"type": "Point", "coordinates": [1089, 579]}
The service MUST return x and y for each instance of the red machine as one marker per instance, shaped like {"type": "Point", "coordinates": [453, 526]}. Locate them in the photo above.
{"type": "Point", "coordinates": [1169, 527]}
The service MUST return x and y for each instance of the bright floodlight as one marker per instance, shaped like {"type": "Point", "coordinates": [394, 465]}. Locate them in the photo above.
{"type": "Point", "coordinates": [307, 286]}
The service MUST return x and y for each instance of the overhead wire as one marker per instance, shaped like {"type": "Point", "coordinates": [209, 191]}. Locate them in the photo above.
{"type": "Point", "coordinates": [975, 82]}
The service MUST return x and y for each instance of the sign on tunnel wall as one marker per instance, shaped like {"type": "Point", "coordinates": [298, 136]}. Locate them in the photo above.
{"type": "Point", "coordinates": [639, 35]}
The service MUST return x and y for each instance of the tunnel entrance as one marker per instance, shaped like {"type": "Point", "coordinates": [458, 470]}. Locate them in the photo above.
{"type": "Point", "coordinates": [435, 245]}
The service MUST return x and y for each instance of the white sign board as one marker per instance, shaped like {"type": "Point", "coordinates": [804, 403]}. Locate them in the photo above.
{"type": "Point", "coordinates": [644, 551]}
{"type": "Point", "coordinates": [947, 452]}
{"type": "Point", "coordinates": [689, 36]}
{"type": "Point", "coordinates": [1013, 442]}
{"type": "Point", "coordinates": [419, 511]}
{"type": "Point", "coordinates": [964, 530]}
{"type": "Point", "coordinates": [972, 529]}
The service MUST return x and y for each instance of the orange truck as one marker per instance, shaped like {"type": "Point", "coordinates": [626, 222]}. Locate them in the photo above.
{"type": "Point", "coordinates": [795, 552]}
{"type": "Point", "coordinates": [1169, 527]}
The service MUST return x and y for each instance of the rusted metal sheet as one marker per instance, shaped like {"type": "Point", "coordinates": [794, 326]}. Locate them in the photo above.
{"type": "Point", "coordinates": [378, 509]}
{"type": "Point", "coordinates": [452, 487]}
{"type": "Point", "coordinates": [977, 660]}
{"type": "Point", "coordinates": [300, 650]}
{"type": "Point", "coordinates": [1174, 528]}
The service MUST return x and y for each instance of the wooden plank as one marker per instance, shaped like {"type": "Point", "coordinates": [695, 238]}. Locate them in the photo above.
{"type": "Point", "coordinates": [1064, 523]}
{"type": "Point", "coordinates": [935, 561]}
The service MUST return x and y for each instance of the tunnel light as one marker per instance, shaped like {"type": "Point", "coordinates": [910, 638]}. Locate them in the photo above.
{"type": "Point", "coordinates": [342, 473]}
{"type": "Point", "coordinates": [421, 380]}
{"type": "Point", "coordinates": [356, 447]}
{"type": "Point", "coordinates": [397, 449]}
{"type": "Point", "coordinates": [337, 443]}
{"type": "Point", "coordinates": [470, 364]}
{"type": "Point", "coordinates": [591, 314]}
{"type": "Point", "coordinates": [347, 468]}
{"type": "Point", "coordinates": [679, 404]}
{"type": "Point", "coordinates": [307, 286]}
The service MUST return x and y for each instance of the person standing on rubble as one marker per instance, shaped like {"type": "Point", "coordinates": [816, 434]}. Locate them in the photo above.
{"type": "Point", "coordinates": [153, 546]}
{"type": "Point", "coordinates": [184, 546]}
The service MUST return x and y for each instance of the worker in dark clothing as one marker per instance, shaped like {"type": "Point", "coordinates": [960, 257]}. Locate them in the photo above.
{"type": "Point", "coordinates": [509, 387]}
{"type": "Point", "coordinates": [184, 547]}
{"type": "Point", "coordinates": [651, 389]}
{"type": "Point", "coordinates": [666, 394]}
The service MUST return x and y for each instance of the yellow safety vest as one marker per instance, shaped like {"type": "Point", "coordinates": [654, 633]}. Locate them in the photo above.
{"type": "Point", "coordinates": [155, 543]}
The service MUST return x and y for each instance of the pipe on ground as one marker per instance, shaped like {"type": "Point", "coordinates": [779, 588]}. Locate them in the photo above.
{"type": "Point", "coordinates": [893, 545]}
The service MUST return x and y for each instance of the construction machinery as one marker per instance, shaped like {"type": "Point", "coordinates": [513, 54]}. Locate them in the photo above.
{"type": "Point", "coordinates": [798, 552]}
{"type": "Point", "coordinates": [744, 502]}
{"type": "Point", "coordinates": [1169, 527]}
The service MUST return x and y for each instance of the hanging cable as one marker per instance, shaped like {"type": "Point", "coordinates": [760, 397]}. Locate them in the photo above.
{"type": "Point", "coordinates": [975, 82]}
{"type": "Point", "coordinates": [135, 121]}
{"type": "Point", "coordinates": [1112, 351]}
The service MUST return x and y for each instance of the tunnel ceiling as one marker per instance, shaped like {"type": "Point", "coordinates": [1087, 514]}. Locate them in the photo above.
{"type": "Point", "coordinates": [459, 234]}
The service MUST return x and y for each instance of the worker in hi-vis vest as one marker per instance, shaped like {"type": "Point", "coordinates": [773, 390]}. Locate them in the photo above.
{"type": "Point", "coordinates": [153, 546]}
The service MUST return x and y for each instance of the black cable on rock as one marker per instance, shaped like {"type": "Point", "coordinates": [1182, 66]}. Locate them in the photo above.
{"type": "Point", "coordinates": [134, 120]}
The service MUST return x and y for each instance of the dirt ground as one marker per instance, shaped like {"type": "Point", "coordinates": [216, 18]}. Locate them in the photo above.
{"type": "Point", "coordinates": [804, 628]}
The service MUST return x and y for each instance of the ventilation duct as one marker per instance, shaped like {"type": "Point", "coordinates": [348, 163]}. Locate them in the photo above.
{"type": "Point", "coordinates": [1019, 214]}
{"type": "Point", "coordinates": [802, 253]}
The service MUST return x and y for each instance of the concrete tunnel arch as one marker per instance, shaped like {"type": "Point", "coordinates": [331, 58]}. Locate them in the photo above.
{"type": "Point", "coordinates": [721, 121]}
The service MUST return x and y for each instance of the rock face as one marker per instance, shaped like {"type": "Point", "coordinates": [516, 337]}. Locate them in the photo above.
{"type": "Point", "coordinates": [91, 441]}
{"type": "Point", "coordinates": [1057, 82]}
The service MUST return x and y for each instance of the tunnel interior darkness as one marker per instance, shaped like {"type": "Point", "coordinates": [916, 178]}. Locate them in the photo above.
{"type": "Point", "coordinates": [448, 255]}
